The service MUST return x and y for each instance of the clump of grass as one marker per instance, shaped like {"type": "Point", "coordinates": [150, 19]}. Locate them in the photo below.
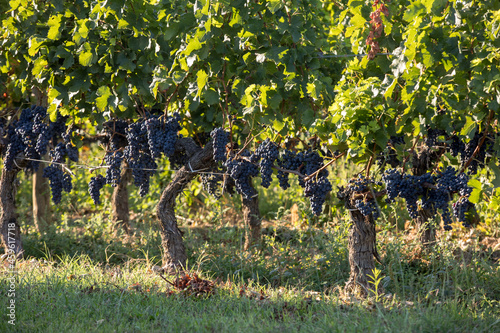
{"type": "Point", "coordinates": [75, 294]}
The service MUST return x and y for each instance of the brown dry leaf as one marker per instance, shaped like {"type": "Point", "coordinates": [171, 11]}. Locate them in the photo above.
{"type": "Point", "coordinates": [192, 284]}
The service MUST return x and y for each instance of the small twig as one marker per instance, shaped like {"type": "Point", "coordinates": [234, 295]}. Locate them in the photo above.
{"type": "Point", "coordinates": [368, 167]}
{"type": "Point", "coordinates": [323, 167]}
{"type": "Point", "coordinates": [290, 171]}
{"type": "Point", "coordinates": [161, 275]}
{"type": "Point", "coordinates": [247, 142]}
{"type": "Point", "coordinates": [410, 154]}
{"type": "Point", "coordinates": [481, 142]}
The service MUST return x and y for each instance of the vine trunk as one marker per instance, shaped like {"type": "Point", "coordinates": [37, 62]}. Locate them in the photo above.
{"type": "Point", "coordinates": [119, 202]}
{"type": "Point", "coordinates": [251, 216]}
{"type": "Point", "coordinates": [11, 231]}
{"type": "Point", "coordinates": [174, 256]}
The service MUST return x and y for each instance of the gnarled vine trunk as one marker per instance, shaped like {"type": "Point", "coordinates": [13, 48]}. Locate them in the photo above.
{"type": "Point", "coordinates": [174, 256]}
{"type": "Point", "coordinates": [11, 231]}
{"type": "Point", "coordinates": [120, 215]}
{"type": "Point", "coordinates": [251, 216]}
{"type": "Point", "coordinates": [362, 249]}
{"type": "Point", "coordinates": [41, 200]}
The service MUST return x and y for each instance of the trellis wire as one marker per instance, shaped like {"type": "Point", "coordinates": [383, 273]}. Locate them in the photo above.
{"type": "Point", "coordinates": [322, 55]}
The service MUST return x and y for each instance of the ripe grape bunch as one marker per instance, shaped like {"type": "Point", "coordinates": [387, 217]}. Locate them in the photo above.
{"type": "Point", "coordinates": [288, 161]}
{"type": "Point", "coordinates": [95, 185]}
{"type": "Point", "coordinates": [23, 136]}
{"type": "Point", "coordinates": [317, 186]}
{"type": "Point", "coordinates": [220, 140]}
{"type": "Point", "coordinates": [431, 140]}
{"type": "Point", "coordinates": [242, 171]}
{"type": "Point", "coordinates": [307, 163]}
{"type": "Point", "coordinates": [58, 179]}
{"type": "Point", "coordinates": [267, 153]}
{"type": "Point", "coordinates": [460, 208]}
{"type": "Point", "coordinates": [430, 192]}
{"type": "Point", "coordinates": [147, 140]}
{"type": "Point", "coordinates": [115, 134]}
{"type": "Point", "coordinates": [366, 205]}
{"type": "Point", "coordinates": [162, 134]}
{"type": "Point", "coordinates": [466, 150]}
{"type": "Point", "coordinates": [113, 161]}
{"type": "Point", "coordinates": [30, 136]}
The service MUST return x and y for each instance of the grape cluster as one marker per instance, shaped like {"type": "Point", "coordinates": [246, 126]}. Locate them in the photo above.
{"type": "Point", "coordinates": [143, 146]}
{"type": "Point", "coordinates": [359, 184]}
{"type": "Point", "coordinates": [456, 146]}
{"type": "Point", "coordinates": [316, 189]}
{"type": "Point", "coordinates": [116, 133]}
{"type": "Point", "coordinates": [288, 161]}
{"type": "Point", "coordinates": [59, 153]}
{"type": "Point", "coordinates": [23, 136]}
{"type": "Point", "coordinates": [95, 185]}
{"type": "Point", "coordinates": [242, 171]}
{"type": "Point", "coordinates": [267, 153]}
{"type": "Point", "coordinates": [71, 150]}
{"type": "Point", "coordinates": [220, 140]}
{"type": "Point", "coordinates": [142, 164]}
{"type": "Point", "coordinates": [405, 186]}
{"type": "Point", "coordinates": [461, 207]}
{"type": "Point", "coordinates": [367, 205]}
{"type": "Point", "coordinates": [162, 134]}
{"type": "Point", "coordinates": [432, 136]}
{"type": "Point", "coordinates": [466, 150]}
{"type": "Point", "coordinates": [31, 135]}
{"type": "Point", "coordinates": [212, 184]}
{"type": "Point", "coordinates": [58, 179]}
{"type": "Point", "coordinates": [67, 183]}
{"type": "Point", "coordinates": [114, 162]}
{"type": "Point", "coordinates": [318, 186]}
{"type": "Point", "coordinates": [307, 163]}
{"type": "Point", "coordinates": [57, 182]}
{"type": "Point", "coordinates": [142, 142]}
{"type": "Point", "coordinates": [434, 191]}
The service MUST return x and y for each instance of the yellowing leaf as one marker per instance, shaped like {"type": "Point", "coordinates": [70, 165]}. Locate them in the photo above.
{"type": "Point", "coordinates": [201, 80]}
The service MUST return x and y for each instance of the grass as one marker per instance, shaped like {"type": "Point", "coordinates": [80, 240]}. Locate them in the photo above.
{"type": "Point", "coordinates": [86, 279]}
{"type": "Point", "coordinates": [80, 276]}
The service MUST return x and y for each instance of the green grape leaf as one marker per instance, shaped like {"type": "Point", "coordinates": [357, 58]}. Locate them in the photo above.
{"type": "Point", "coordinates": [476, 190]}
{"type": "Point", "coordinates": [211, 96]}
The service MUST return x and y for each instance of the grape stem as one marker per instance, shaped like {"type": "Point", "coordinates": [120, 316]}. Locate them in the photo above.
{"type": "Point", "coordinates": [167, 103]}
{"type": "Point", "coordinates": [410, 154]}
{"type": "Point", "coordinates": [476, 151]}
{"type": "Point", "coordinates": [323, 167]}
{"type": "Point", "coordinates": [368, 167]}
{"type": "Point", "coordinates": [289, 171]}
{"type": "Point", "coordinates": [369, 195]}
{"type": "Point", "coordinates": [114, 130]}
{"type": "Point", "coordinates": [278, 168]}
{"type": "Point", "coordinates": [247, 143]}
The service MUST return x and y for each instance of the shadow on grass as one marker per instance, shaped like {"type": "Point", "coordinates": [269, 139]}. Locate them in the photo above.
{"type": "Point", "coordinates": [101, 301]}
